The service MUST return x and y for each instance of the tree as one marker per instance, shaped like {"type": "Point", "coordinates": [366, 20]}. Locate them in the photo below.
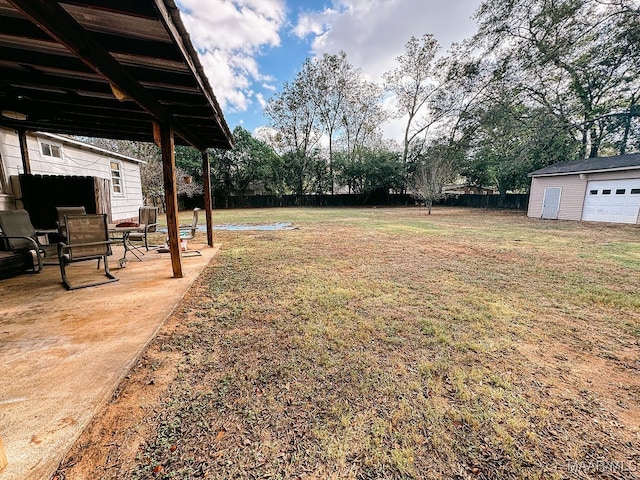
{"type": "Point", "coordinates": [333, 78]}
{"type": "Point", "coordinates": [189, 161]}
{"type": "Point", "coordinates": [578, 59]}
{"type": "Point", "coordinates": [512, 139]}
{"type": "Point", "coordinates": [414, 83]}
{"type": "Point", "coordinates": [251, 161]}
{"type": "Point", "coordinates": [362, 117]}
{"type": "Point", "coordinates": [369, 169]}
{"type": "Point", "coordinates": [432, 171]}
{"type": "Point", "coordinates": [469, 81]}
{"type": "Point", "coordinates": [329, 100]}
{"type": "Point", "coordinates": [294, 131]}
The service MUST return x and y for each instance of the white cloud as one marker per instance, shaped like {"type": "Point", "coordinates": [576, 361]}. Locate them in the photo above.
{"type": "Point", "coordinates": [230, 86]}
{"type": "Point", "coordinates": [373, 34]}
{"type": "Point", "coordinates": [261, 100]}
{"type": "Point", "coordinates": [228, 35]}
{"type": "Point", "coordinates": [315, 23]}
{"type": "Point", "coordinates": [233, 25]}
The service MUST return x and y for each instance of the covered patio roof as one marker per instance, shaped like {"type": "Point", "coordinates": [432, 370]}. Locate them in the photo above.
{"type": "Point", "coordinates": [105, 68]}
{"type": "Point", "coordinates": [115, 69]}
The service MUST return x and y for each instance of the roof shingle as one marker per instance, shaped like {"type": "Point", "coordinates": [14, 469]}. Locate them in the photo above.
{"type": "Point", "coordinates": [618, 162]}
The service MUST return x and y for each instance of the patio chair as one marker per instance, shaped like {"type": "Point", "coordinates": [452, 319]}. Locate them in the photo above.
{"type": "Point", "coordinates": [148, 221]}
{"type": "Point", "coordinates": [188, 232]}
{"type": "Point", "coordinates": [18, 235]}
{"type": "Point", "coordinates": [61, 212]}
{"type": "Point", "coordinates": [87, 239]}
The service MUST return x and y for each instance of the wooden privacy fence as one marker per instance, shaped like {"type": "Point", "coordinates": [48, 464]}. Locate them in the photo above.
{"type": "Point", "coordinates": [40, 194]}
{"type": "Point", "coordinates": [509, 201]}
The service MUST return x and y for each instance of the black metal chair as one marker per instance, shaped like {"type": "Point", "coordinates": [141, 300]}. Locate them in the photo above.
{"type": "Point", "coordinates": [87, 239]}
{"type": "Point", "coordinates": [18, 235]}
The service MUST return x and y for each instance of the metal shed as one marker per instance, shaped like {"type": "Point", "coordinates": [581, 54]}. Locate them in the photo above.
{"type": "Point", "coordinates": [603, 189]}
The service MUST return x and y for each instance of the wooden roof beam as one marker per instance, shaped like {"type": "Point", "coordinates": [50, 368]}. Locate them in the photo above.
{"type": "Point", "coordinates": [61, 26]}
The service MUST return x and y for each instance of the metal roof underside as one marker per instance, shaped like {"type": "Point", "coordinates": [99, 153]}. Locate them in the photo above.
{"type": "Point", "coordinates": [62, 63]}
{"type": "Point", "coordinates": [618, 162]}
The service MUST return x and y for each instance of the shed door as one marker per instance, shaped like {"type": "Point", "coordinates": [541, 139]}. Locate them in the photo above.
{"type": "Point", "coordinates": [551, 203]}
{"type": "Point", "coordinates": [616, 201]}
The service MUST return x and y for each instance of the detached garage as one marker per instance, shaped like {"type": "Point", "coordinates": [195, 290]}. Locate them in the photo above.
{"type": "Point", "coordinates": [604, 189]}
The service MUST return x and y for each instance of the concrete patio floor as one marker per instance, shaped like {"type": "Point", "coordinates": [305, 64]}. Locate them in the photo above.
{"type": "Point", "coordinates": [63, 353]}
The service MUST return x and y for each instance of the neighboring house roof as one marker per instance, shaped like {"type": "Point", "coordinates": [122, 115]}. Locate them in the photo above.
{"type": "Point", "coordinates": [102, 68]}
{"type": "Point", "coordinates": [87, 146]}
{"type": "Point", "coordinates": [591, 165]}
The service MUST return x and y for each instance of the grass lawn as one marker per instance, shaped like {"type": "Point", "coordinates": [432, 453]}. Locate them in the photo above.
{"type": "Point", "coordinates": [388, 344]}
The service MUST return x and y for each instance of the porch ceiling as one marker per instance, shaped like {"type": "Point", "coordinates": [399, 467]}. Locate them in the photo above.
{"type": "Point", "coordinates": [63, 63]}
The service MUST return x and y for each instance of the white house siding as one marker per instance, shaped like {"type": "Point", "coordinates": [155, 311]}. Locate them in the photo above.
{"type": "Point", "coordinates": [571, 196]}
{"type": "Point", "coordinates": [121, 204]}
{"type": "Point", "coordinates": [622, 175]}
{"type": "Point", "coordinates": [75, 160]}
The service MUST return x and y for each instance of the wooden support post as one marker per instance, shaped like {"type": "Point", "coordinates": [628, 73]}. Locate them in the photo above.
{"type": "Point", "coordinates": [24, 151]}
{"type": "Point", "coordinates": [206, 178]}
{"type": "Point", "coordinates": [3, 456]}
{"type": "Point", "coordinates": [171, 197]}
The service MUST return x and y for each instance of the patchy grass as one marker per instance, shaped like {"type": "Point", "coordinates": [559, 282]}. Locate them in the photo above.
{"type": "Point", "coordinates": [384, 343]}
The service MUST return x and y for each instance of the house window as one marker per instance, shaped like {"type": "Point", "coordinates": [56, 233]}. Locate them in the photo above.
{"type": "Point", "coordinates": [593, 192]}
{"type": "Point", "coordinates": [606, 192]}
{"type": "Point", "coordinates": [50, 150]}
{"type": "Point", "coordinates": [620, 191]}
{"type": "Point", "coordinates": [116, 177]}
{"type": "Point", "coordinates": [635, 191]}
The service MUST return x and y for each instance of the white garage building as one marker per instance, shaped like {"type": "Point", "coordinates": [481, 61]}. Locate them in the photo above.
{"type": "Point", "coordinates": [604, 189]}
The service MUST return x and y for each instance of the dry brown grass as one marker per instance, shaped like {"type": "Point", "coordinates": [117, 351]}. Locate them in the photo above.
{"type": "Point", "coordinates": [382, 343]}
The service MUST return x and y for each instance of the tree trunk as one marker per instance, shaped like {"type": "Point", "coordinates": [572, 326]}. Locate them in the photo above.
{"type": "Point", "coordinates": [331, 159]}
{"type": "Point", "coordinates": [429, 205]}
{"type": "Point", "coordinates": [627, 126]}
{"type": "Point", "coordinates": [585, 141]}
{"type": "Point", "coordinates": [595, 142]}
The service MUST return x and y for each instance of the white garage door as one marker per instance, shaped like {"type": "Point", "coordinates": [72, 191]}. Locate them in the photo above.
{"type": "Point", "coordinates": [612, 201]}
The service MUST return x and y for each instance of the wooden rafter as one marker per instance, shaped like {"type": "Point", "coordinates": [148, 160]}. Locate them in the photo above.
{"type": "Point", "coordinates": [59, 24]}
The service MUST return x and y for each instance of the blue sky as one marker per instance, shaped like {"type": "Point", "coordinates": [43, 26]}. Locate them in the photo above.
{"type": "Point", "coordinates": [249, 48]}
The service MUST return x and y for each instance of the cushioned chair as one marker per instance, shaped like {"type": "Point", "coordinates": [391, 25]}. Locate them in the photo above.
{"type": "Point", "coordinates": [87, 239]}
{"type": "Point", "coordinates": [148, 221]}
{"type": "Point", "coordinates": [61, 212]}
{"type": "Point", "coordinates": [18, 235]}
